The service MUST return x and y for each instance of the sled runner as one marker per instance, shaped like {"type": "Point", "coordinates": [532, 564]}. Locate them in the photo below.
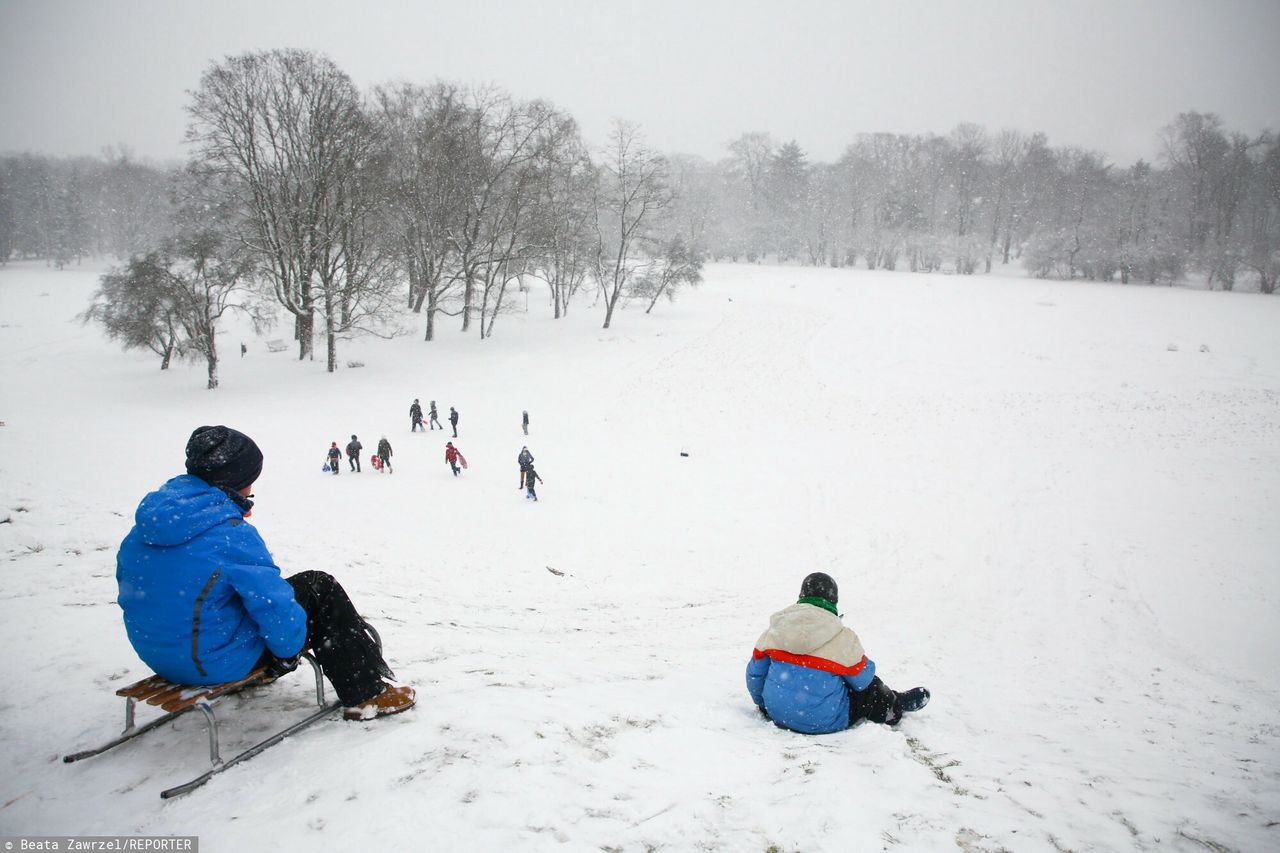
{"type": "Point", "coordinates": [178, 699]}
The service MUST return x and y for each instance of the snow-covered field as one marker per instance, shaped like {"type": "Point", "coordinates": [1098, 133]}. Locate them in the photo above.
{"type": "Point", "coordinates": [1034, 504]}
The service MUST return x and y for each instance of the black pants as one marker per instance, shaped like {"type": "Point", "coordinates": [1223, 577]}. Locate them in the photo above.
{"type": "Point", "coordinates": [455, 429]}
{"type": "Point", "coordinates": [413, 426]}
{"type": "Point", "coordinates": [877, 703]}
{"type": "Point", "coordinates": [337, 637]}
{"type": "Point", "coordinates": [355, 462]}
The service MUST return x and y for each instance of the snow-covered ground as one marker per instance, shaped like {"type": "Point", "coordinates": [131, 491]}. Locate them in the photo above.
{"type": "Point", "coordinates": [1055, 504]}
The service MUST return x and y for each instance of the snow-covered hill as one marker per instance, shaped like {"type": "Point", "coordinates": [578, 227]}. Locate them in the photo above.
{"type": "Point", "coordinates": [1052, 503]}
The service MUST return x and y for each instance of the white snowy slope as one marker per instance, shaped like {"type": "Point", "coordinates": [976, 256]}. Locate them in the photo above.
{"type": "Point", "coordinates": [1033, 504]}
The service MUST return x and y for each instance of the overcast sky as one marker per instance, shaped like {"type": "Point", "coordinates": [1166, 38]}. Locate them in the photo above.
{"type": "Point", "coordinates": [1103, 74]}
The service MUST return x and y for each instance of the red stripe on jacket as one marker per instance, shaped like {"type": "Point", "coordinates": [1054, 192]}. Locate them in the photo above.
{"type": "Point", "coordinates": [810, 661]}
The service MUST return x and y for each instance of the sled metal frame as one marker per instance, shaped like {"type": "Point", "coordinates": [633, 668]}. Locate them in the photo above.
{"type": "Point", "coordinates": [178, 699]}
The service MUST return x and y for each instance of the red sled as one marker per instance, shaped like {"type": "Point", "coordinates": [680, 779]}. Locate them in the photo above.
{"type": "Point", "coordinates": [377, 462]}
{"type": "Point", "coordinates": [462, 460]}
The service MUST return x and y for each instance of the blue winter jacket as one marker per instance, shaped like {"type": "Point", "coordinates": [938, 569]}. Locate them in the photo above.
{"type": "Point", "coordinates": [201, 595]}
{"type": "Point", "coordinates": [803, 667]}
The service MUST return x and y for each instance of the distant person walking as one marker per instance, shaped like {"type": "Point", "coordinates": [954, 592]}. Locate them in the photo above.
{"type": "Point", "coordinates": [435, 419]}
{"type": "Point", "coordinates": [353, 453]}
{"type": "Point", "coordinates": [454, 457]}
{"type": "Point", "coordinates": [525, 460]}
{"type": "Point", "coordinates": [415, 416]}
{"type": "Point", "coordinates": [384, 453]}
{"type": "Point", "coordinates": [335, 457]}
{"type": "Point", "coordinates": [524, 422]}
{"type": "Point", "coordinates": [531, 477]}
{"type": "Point", "coordinates": [453, 419]}
{"type": "Point", "coordinates": [243, 349]}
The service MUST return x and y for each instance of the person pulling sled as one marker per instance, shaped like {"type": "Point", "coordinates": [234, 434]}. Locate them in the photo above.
{"type": "Point", "coordinates": [454, 457]}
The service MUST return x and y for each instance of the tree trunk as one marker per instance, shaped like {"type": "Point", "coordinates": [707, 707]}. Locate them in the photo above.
{"type": "Point", "coordinates": [611, 299]}
{"type": "Point", "coordinates": [331, 339]}
{"type": "Point", "coordinates": [431, 315]}
{"type": "Point", "coordinates": [211, 355]}
{"type": "Point", "coordinates": [468, 294]}
{"type": "Point", "coordinates": [303, 327]}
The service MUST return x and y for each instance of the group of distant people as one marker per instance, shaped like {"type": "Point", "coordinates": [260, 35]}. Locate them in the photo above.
{"type": "Point", "coordinates": [381, 460]}
{"type": "Point", "coordinates": [433, 420]}
{"type": "Point", "coordinates": [529, 478]}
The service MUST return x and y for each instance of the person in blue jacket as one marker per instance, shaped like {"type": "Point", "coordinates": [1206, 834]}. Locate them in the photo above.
{"type": "Point", "coordinates": [808, 672]}
{"type": "Point", "coordinates": [205, 603]}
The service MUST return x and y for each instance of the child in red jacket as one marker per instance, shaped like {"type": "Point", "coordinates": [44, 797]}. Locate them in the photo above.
{"type": "Point", "coordinates": [454, 457]}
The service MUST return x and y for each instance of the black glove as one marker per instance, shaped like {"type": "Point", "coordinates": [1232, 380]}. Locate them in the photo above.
{"type": "Point", "coordinates": [276, 667]}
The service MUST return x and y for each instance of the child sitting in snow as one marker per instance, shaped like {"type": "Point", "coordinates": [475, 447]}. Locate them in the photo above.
{"type": "Point", "coordinates": [808, 672]}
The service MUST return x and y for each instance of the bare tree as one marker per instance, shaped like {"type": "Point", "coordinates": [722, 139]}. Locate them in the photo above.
{"type": "Point", "coordinates": [564, 185]}
{"type": "Point", "coordinates": [501, 147]}
{"type": "Point", "coordinates": [136, 308]}
{"type": "Point", "coordinates": [676, 264]}
{"type": "Point", "coordinates": [631, 191]}
{"type": "Point", "coordinates": [170, 300]}
{"type": "Point", "coordinates": [424, 130]}
{"type": "Point", "coordinates": [276, 124]}
{"type": "Point", "coordinates": [1010, 147]}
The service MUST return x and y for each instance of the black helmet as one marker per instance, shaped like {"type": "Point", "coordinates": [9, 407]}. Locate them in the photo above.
{"type": "Point", "coordinates": [820, 585]}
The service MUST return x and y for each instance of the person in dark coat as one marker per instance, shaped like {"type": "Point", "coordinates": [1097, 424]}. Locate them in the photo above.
{"type": "Point", "coordinates": [205, 603]}
{"type": "Point", "coordinates": [808, 672]}
{"type": "Point", "coordinates": [524, 422]}
{"type": "Point", "coordinates": [415, 416]}
{"type": "Point", "coordinates": [453, 419]}
{"type": "Point", "coordinates": [353, 453]}
{"type": "Point", "coordinates": [525, 460]}
{"type": "Point", "coordinates": [530, 478]}
{"type": "Point", "coordinates": [335, 457]}
{"type": "Point", "coordinates": [384, 453]}
{"type": "Point", "coordinates": [435, 419]}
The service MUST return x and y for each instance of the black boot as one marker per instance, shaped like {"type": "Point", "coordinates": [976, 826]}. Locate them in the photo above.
{"type": "Point", "coordinates": [913, 699]}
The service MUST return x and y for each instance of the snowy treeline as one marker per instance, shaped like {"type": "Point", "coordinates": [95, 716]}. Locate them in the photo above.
{"type": "Point", "coordinates": [65, 209]}
{"type": "Point", "coordinates": [963, 201]}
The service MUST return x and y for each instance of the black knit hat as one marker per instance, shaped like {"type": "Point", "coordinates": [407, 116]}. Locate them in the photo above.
{"type": "Point", "coordinates": [222, 456]}
{"type": "Point", "coordinates": [820, 585]}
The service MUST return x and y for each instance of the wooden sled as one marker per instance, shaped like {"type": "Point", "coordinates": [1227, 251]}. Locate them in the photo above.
{"type": "Point", "coordinates": [177, 699]}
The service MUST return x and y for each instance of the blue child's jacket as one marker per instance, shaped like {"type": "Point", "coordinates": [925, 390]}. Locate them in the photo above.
{"type": "Point", "coordinates": [803, 667]}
